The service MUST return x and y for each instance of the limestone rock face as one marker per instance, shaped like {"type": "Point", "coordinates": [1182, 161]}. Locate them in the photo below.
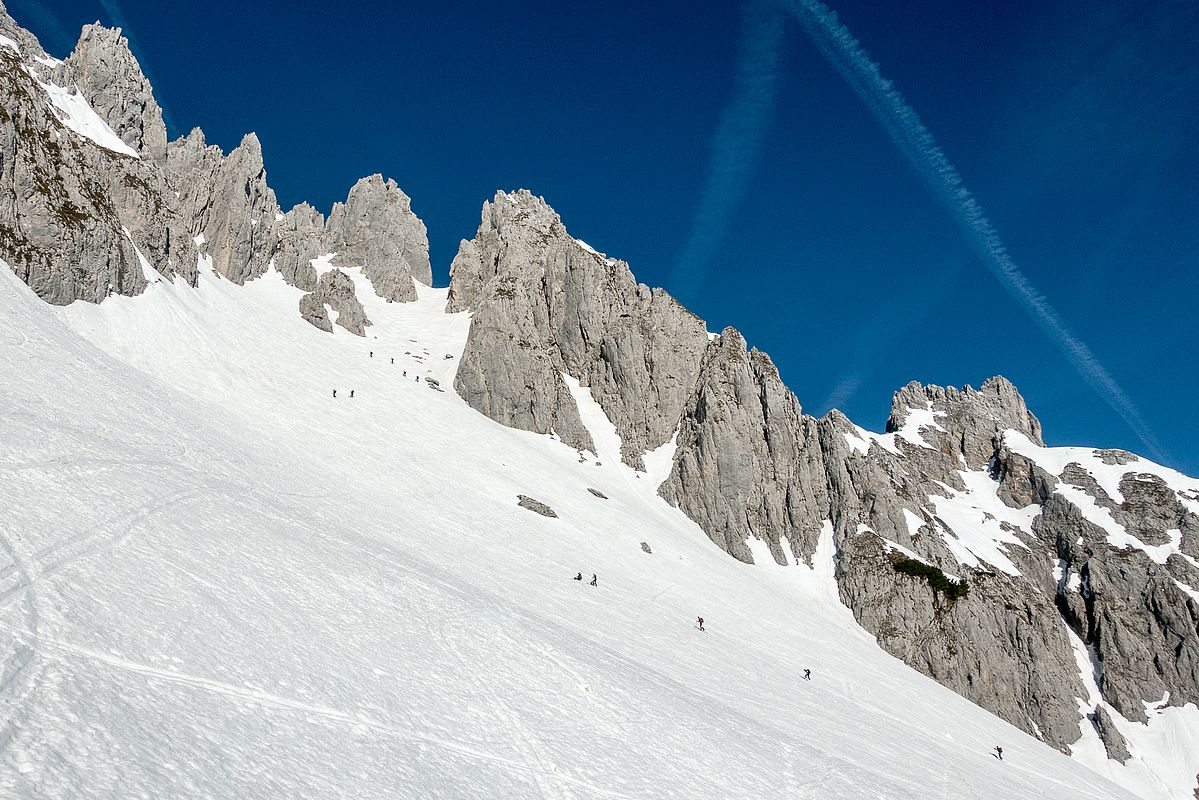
{"type": "Point", "coordinates": [376, 230]}
{"type": "Point", "coordinates": [228, 203]}
{"type": "Point", "coordinates": [1113, 741]}
{"type": "Point", "coordinates": [301, 234]}
{"type": "Point", "coordinates": [77, 219]}
{"type": "Point", "coordinates": [749, 465]}
{"type": "Point", "coordinates": [59, 227]}
{"type": "Point", "coordinates": [743, 465]}
{"type": "Point", "coordinates": [544, 304]}
{"type": "Point", "coordinates": [111, 80]}
{"type": "Point", "coordinates": [1002, 646]}
{"type": "Point", "coordinates": [967, 421]}
{"type": "Point", "coordinates": [335, 290]}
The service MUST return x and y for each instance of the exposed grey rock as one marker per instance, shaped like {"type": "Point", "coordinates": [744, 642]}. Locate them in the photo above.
{"type": "Point", "coordinates": [1120, 457]}
{"type": "Point", "coordinates": [375, 229]}
{"type": "Point", "coordinates": [59, 228]}
{"type": "Point", "coordinates": [301, 239]}
{"type": "Point", "coordinates": [597, 493]}
{"type": "Point", "coordinates": [1144, 629]}
{"type": "Point", "coordinates": [74, 216]}
{"type": "Point", "coordinates": [969, 422]}
{"type": "Point", "coordinates": [535, 506]}
{"type": "Point", "coordinates": [1151, 509]}
{"type": "Point", "coordinates": [1001, 646]}
{"type": "Point", "coordinates": [335, 289]}
{"type": "Point", "coordinates": [743, 467]}
{"type": "Point", "coordinates": [112, 82]}
{"type": "Point", "coordinates": [1021, 482]}
{"type": "Point", "coordinates": [228, 202]}
{"type": "Point", "coordinates": [28, 43]}
{"type": "Point", "coordinates": [1113, 741]}
{"type": "Point", "coordinates": [545, 305]}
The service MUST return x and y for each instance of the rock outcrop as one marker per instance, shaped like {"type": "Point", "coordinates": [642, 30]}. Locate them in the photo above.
{"type": "Point", "coordinates": [112, 82]}
{"type": "Point", "coordinates": [334, 290]}
{"type": "Point", "coordinates": [375, 229]}
{"type": "Point", "coordinates": [59, 227]}
{"type": "Point", "coordinates": [536, 506]}
{"type": "Point", "coordinates": [743, 467]}
{"type": "Point", "coordinates": [545, 305]}
{"type": "Point", "coordinates": [81, 207]}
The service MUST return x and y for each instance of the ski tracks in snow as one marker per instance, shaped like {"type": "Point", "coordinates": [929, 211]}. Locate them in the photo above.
{"type": "Point", "coordinates": [21, 678]}
{"type": "Point", "coordinates": [23, 675]}
{"type": "Point", "coordinates": [539, 767]}
{"type": "Point", "coordinates": [65, 552]}
{"type": "Point", "coordinates": [65, 652]}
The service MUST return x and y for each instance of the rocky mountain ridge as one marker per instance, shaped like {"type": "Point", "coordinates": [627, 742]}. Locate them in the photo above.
{"type": "Point", "coordinates": [961, 483]}
{"type": "Point", "coordinates": [95, 201]}
{"type": "Point", "coordinates": [1074, 568]}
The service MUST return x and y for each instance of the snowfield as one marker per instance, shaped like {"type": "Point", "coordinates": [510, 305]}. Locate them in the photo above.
{"type": "Point", "coordinates": [216, 580]}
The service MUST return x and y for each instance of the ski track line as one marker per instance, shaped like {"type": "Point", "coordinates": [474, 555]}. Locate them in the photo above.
{"type": "Point", "coordinates": [92, 541]}
{"type": "Point", "coordinates": [31, 674]}
{"type": "Point", "coordinates": [520, 734]}
{"type": "Point", "coordinates": [262, 698]}
{"type": "Point", "coordinates": [75, 461]}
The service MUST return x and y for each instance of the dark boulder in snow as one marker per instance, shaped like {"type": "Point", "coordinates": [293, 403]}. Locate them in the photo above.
{"type": "Point", "coordinates": [535, 506]}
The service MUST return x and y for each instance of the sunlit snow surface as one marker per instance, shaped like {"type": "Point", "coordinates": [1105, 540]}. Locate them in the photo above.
{"type": "Point", "coordinates": [218, 581]}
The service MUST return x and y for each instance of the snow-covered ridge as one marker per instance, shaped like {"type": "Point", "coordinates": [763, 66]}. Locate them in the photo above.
{"type": "Point", "coordinates": [236, 563]}
{"type": "Point", "coordinates": [1108, 473]}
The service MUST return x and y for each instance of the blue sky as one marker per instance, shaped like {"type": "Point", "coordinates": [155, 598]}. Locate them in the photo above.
{"type": "Point", "coordinates": [791, 215]}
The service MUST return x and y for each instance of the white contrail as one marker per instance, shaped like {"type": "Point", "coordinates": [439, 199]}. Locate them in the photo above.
{"type": "Point", "coordinates": [908, 133]}
{"type": "Point", "coordinates": [736, 145]}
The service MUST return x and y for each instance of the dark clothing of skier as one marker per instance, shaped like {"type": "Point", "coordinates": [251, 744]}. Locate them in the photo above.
{"type": "Point", "coordinates": [807, 674]}
{"type": "Point", "coordinates": [372, 354]}
{"type": "Point", "coordinates": [351, 393]}
{"type": "Point", "coordinates": [594, 580]}
{"type": "Point", "coordinates": [999, 752]}
{"type": "Point", "coordinates": [579, 577]}
{"type": "Point", "coordinates": [700, 620]}
{"type": "Point", "coordinates": [335, 393]}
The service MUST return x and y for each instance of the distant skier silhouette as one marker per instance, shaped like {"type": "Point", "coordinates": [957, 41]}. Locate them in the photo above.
{"type": "Point", "coordinates": [999, 752]}
{"type": "Point", "coordinates": [579, 577]}
{"type": "Point", "coordinates": [351, 394]}
{"type": "Point", "coordinates": [700, 620]}
{"type": "Point", "coordinates": [372, 354]}
{"type": "Point", "coordinates": [807, 674]}
{"type": "Point", "coordinates": [335, 393]}
{"type": "Point", "coordinates": [393, 361]}
{"type": "Point", "coordinates": [594, 580]}
{"type": "Point", "coordinates": [405, 373]}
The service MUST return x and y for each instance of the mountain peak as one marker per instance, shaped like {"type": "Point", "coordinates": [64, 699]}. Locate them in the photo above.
{"type": "Point", "coordinates": [111, 80]}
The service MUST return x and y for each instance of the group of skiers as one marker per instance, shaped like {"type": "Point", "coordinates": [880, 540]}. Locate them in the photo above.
{"type": "Point", "coordinates": [371, 354]}
{"type": "Point", "coordinates": [594, 579]}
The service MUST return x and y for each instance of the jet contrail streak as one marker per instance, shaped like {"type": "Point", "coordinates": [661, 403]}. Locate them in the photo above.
{"type": "Point", "coordinates": [908, 133]}
{"type": "Point", "coordinates": [736, 145]}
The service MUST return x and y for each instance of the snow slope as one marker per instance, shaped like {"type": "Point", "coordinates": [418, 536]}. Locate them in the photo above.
{"type": "Point", "coordinates": [218, 581]}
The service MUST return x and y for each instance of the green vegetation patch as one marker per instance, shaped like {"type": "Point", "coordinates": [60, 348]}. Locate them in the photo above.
{"type": "Point", "coordinates": [935, 578]}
